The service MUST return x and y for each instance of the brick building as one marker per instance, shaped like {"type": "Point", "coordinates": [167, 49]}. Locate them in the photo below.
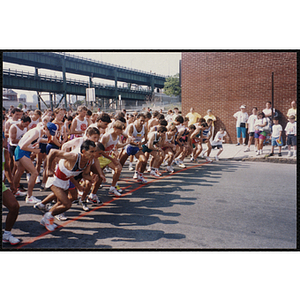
{"type": "Point", "coordinates": [223, 81]}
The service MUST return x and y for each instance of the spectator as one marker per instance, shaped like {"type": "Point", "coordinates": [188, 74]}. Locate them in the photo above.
{"type": "Point", "coordinates": [276, 136]}
{"type": "Point", "coordinates": [291, 131]}
{"type": "Point", "coordinates": [241, 119]}
{"type": "Point", "coordinates": [260, 134]}
{"type": "Point", "coordinates": [176, 113]}
{"type": "Point", "coordinates": [169, 116]}
{"type": "Point", "coordinates": [25, 108]}
{"type": "Point", "coordinates": [293, 110]}
{"type": "Point", "coordinates": [251, 129]}
{"type": "Point", "coordinates": [213, 118]}
{"type": "Point", "coordinates": [193, 116]}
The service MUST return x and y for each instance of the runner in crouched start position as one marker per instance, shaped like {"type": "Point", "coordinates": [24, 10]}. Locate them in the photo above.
{"type": "Point", "coordinates": [70, 164]}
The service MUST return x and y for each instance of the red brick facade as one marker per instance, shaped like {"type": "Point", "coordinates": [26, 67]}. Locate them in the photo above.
{"type": "Point", "coordinates": [223, 81]}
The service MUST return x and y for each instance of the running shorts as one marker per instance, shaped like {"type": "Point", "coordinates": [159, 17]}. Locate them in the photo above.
{"type": "Point", "coordinates": [103, 161]}
{"type": "Point", "coordinates": [131, 150]}
{"type": "Point", "coordinates": [49, 147]}
{"type": "Point", "coordinates": [19, 153]}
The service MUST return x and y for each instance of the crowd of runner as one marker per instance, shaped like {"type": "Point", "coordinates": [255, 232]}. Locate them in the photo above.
{"type": "Point", "coordinates": [68, 153]}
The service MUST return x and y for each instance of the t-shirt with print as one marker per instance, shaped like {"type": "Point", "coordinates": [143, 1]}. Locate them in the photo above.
{"type": "Point", "coordinates": [276, 129]}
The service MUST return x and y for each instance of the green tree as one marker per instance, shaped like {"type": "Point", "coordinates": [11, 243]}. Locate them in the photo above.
{"type": "Point", "coordinates": [172, 86]}
{"type": "Point", "coordinates": [20, 105]}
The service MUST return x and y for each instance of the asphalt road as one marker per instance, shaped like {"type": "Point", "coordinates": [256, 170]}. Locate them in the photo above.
{"type": "Point", "coordinates": [222, 205]}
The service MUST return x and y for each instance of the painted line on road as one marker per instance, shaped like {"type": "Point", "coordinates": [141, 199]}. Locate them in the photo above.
{"type": "Point", "coordinates": [106, 203]}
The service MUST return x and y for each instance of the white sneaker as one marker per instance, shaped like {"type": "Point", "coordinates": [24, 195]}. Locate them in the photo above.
{"type": "Point", "coordinates": [164, 163]}
{"type": "Point", "coordinates": [258, 152]}
{"type": "Point", "coordinates": [153, 173]}
{"type": "Point", "coordinates": [40, 206]}
{"type": "Point", "coordinates": [247, 149]}
{"type": "Point", "coordinates": [118, 188]}
{"type": "Point", "coordinates": [27, 176]}
{"type": "Point", "coordinates": [94, 199]}
{"type": "Point", "coordinates": [192, 159]}
{"type": "Point", "coordinates": [141, 179]}
{"type": "Point", "coordinates": [38, 179]}
{"type": "Point", "coordinates": [61, 217]}
{"type": "Point", "coordinates": [20, 194]}
{"type": "Point", "coordinates": [131, 168]}
{"type": "Point", "coordinates": [176, 162]}
{"type": "Point", "coordinates": [289, 153]}
{"type": "Point", "coordinates": [217, 158]}
{"type": "Point", "coordinates": [9, 238]}
{"type": "Point", "coordinates": [113, 191]}
{"type": "Point", "coordinates": [32, 200]}
{"type": "Point", "coordinates": [208, 159]}
{"type": "Point", "coordinates": [48, 222]}
{"type": "Point", "coordinates": [83, 205]}
{"type": "Point", "coordinates": [170, 169]}
{"type": "Point", "coordinates": [181, 164]}
{"type": "Point", "coordinates": [135, 176]}
{"type": "Point", "coordinates": [149, 169]}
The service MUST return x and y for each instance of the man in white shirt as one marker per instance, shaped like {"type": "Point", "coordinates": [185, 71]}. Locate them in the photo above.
{"type": "Point", "coordinates": [293, 110]}
{"type": "Point", "coordinates": [241, 119]}
{"type": "Point", "coordinates": [291, 131]}
{"type": "Point", "coordinates": [251, 129]}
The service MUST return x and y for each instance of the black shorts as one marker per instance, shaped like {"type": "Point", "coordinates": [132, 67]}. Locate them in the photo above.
{"type": "Point", "coordinates": [12, 150]}
{"type": "Point", "coordinates": [218, 146]}
{"type": "Point", "coordinates": [42, 147]}
{"type": "Point", "coordinates": [251, 133]}
{"type": "Point", "coordinates": [291, 140]}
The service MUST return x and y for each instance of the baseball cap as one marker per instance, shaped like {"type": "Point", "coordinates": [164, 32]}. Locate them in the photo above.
{"type": "Point", "coordinates": [52, 128]}
{"type": "Point", "coordinates": [243, 106]}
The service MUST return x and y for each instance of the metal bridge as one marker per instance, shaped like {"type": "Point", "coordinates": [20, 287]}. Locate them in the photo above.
{"type": "Point", "coordinates": [66, 63]}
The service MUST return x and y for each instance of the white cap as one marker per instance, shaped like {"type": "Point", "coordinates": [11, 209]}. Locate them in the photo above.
{"type": "Point", "coordinates": [243, 106]}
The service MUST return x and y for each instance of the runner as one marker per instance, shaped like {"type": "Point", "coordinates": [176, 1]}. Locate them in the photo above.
{"type": "Point", "coordinates": [111, 141]}
{"type": "Point", "coordinates": [137, 131]}
{"type": "Point", "coordinates": [169, 147]}
{"type": "Point", "coordinates": [29, 143]}
{"type": "Point", "coordinates": [79, 123]}
{"type": "Point", "coordinates": [70, 165]}
{"type": "Point", "coordinates": [153, 147]}
{"type": "Point", "coordinates": [9, 201]}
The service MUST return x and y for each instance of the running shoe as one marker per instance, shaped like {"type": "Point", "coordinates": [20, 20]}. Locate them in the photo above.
{"type": "Point", "coordinates": [289, 153]}
{"type": "Point", "coordinates": [141, 179]}
{"type": "Point", "coordinates": [38, 179]}
{"type": "Point", "coordinates": [94, 199]}
{"type": "Point", "coordinates": [153, 173]}
{"type": "Point", "coordinates": [41, 207]}
{"type": "Point", "coordinates": [32, 200]}
{"type": "Point", "coordinates": [118, 188]}
{"type": "Point", "coordinates": [237, 144]}
{"type": "Point", "coordinates": [131, 168]}
{"type": "Point", "coordinates": [176, 162]}
{"type": "Point", "coordinates": [164, 163]}
{"type": "Point", "coordinates": [149, 169]}
{"type": "Point", "coordinates": [217, 158]}
{"type": "Point", "coordinates": [170, 169]}
{"type": "Point", "coordinates": [208, 159]}
{"type": "Point", "coordinates": [113, 191]}
{"type": "Point", "coordinates": [20, 194]}
{"type": "Point", "coordinates": [135, 176]}
{"type": "Point", "coordinates": [83, 204]}
{"type": "Point", "coordinates": [61, 217]}
{"type": "Point", "coordinates": [247, 149]}
{"type": "Point", "coordinates": [48, 222]}
{"type": "Point", "coordinates": [9, 238]}
{"type": "Point", "coordinates": [158, 173]}
{"type": "Point", "coordinates": [181, 164]}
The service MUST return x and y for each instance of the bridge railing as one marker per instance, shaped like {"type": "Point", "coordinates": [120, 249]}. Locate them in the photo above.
{"type": "Point", "coordinates": [58, 79]}
{"type": "Point", "coordinates": [109, 64]}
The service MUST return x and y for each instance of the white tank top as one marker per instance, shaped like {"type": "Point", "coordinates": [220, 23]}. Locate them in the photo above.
{"type": "Point", "coordinates": [168, 140]}
{"type": "Point", "coordinates": [81, 126]}
{"type": "Point", "coordinates": [33, 124]}
{"type": "Point", "coordinates": [138, 136]}
{"type": "Point", "coordinates": [110, 144]}
{"type": "Point", "coordinates": [29, 134]}
{"type": "Point", "coordinates": [11, 122]}
{"type": "Point", "coordinates": [20, 134]}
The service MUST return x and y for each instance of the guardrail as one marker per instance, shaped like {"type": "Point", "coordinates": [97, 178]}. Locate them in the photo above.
{"type": "Point", "coordinates": [57, 79]}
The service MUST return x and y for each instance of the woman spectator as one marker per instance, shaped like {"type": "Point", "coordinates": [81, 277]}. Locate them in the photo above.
{"type": "Point", "coordinates": [260, 134]}
{"type": "Point", "coordinates": [241, 119]}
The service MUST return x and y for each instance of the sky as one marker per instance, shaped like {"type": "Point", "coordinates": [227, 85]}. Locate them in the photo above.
{"type": "Point", "coordinates": [161, 63]}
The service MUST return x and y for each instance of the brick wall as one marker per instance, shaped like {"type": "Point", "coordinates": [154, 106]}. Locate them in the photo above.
{"type": "Point", "coordinates": [223, 81]}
